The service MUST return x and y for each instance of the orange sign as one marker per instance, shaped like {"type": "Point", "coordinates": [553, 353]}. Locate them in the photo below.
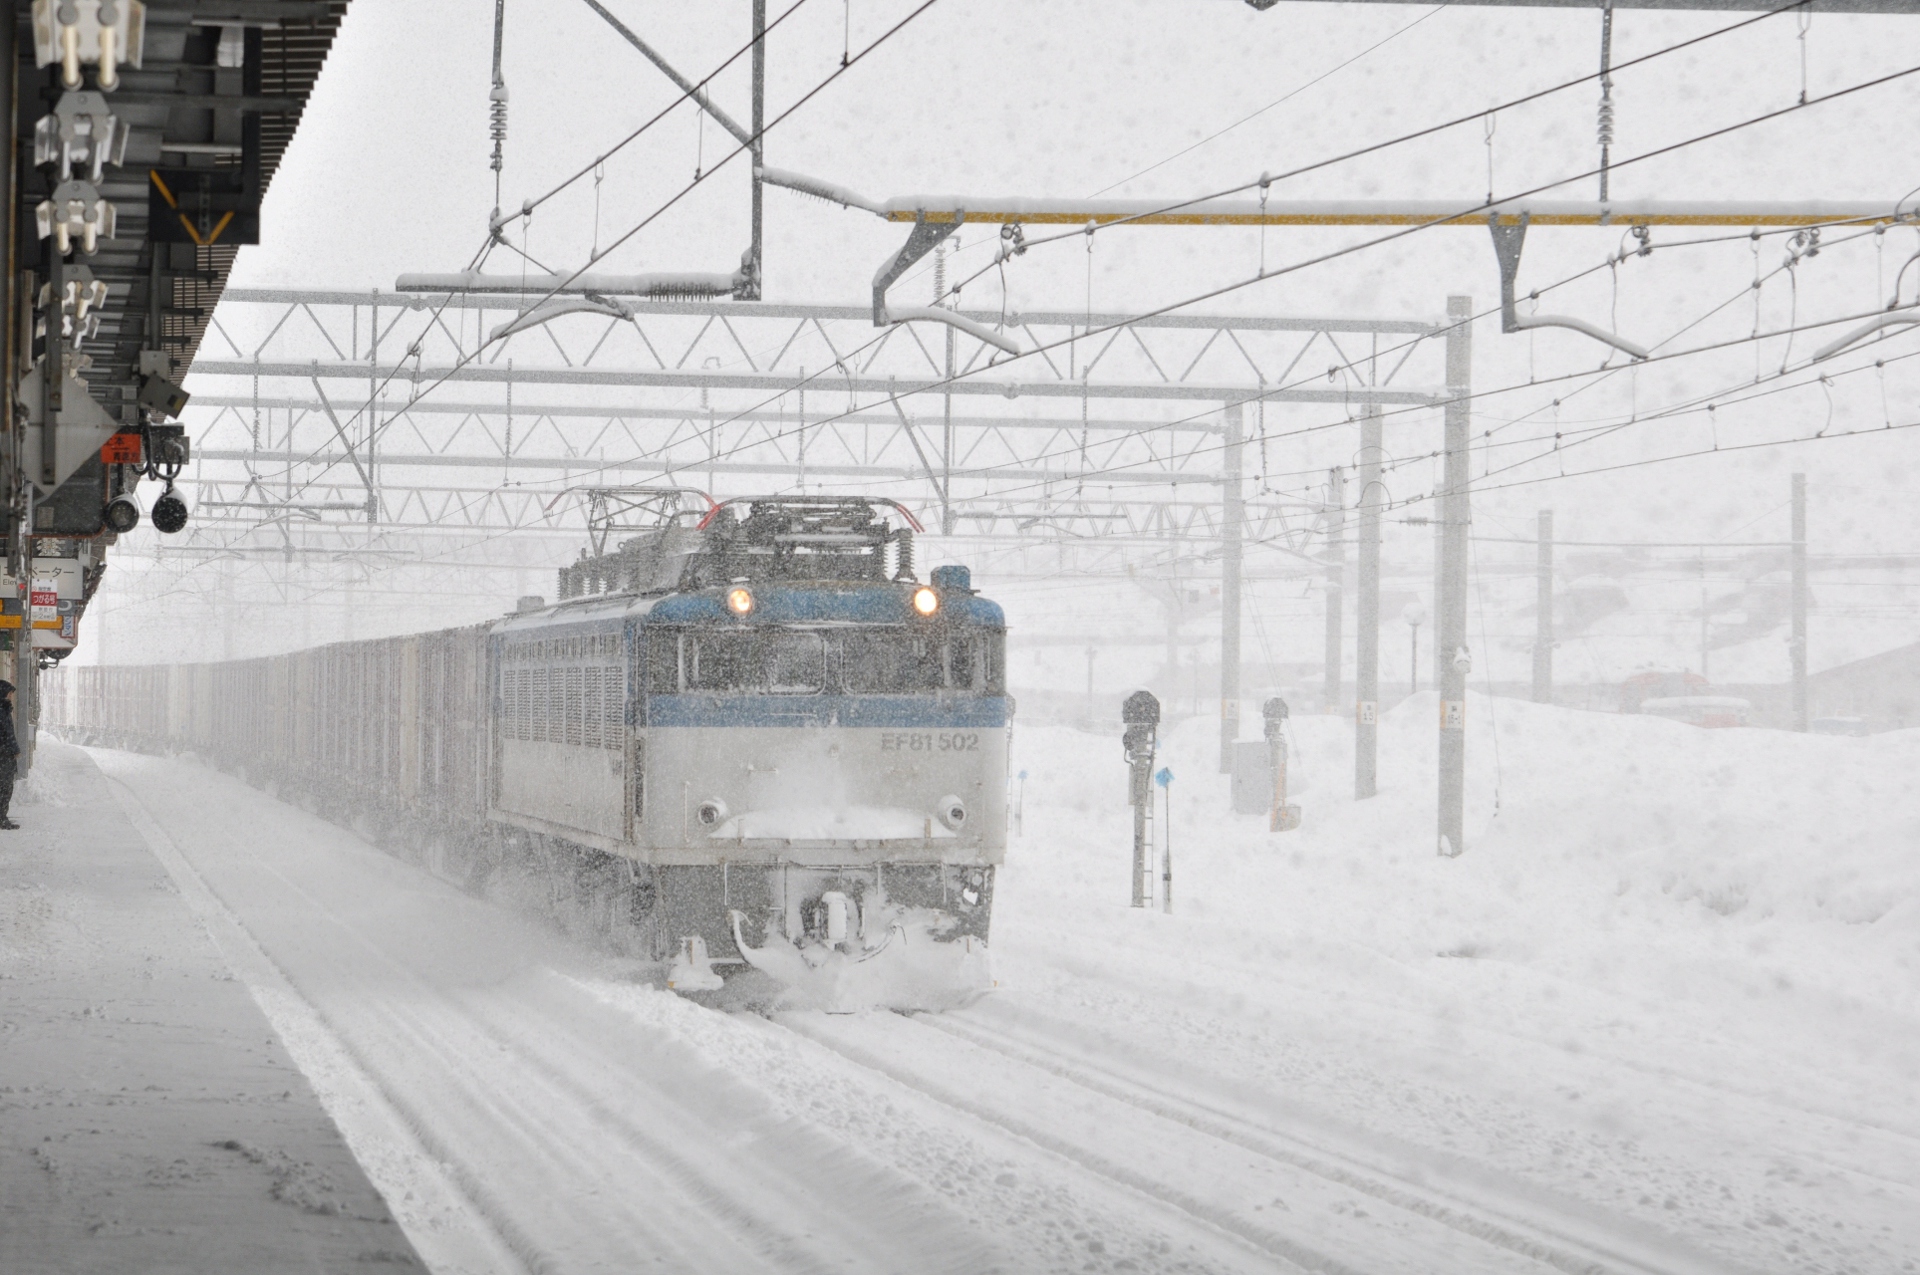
{"type": "Point", "coordinates": [121, 449]}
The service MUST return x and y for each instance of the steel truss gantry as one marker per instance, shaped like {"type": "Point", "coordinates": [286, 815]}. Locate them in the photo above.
{"type": "Point", "coordinates": [396, 411]}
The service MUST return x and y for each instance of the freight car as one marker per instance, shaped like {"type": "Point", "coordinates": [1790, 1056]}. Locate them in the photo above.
{"type": "Point", "coordinates": [771, 745]}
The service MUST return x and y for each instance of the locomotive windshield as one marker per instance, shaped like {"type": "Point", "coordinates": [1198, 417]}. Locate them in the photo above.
{"type": "Point", "coordinates": [772, 661]}
{"type": "Point", "coordinates": [794, 661]}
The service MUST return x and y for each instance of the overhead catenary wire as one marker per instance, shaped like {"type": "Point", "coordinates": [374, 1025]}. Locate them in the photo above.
{"type": "Point", "coordinates": [1279, 101]}
{"type": "Point", "coordinates": [1407, 231]}
{"type": "Point", "coordinates": [1412, 229]}
{"type": "Point", "coordinates": [648, 220]}
{"type": "Point", "coordinates": [1266, 179]}
{"type": "Point", "coordinates": [1477, 395]}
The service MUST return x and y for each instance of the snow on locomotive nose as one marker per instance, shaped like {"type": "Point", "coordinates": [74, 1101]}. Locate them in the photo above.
{"type": "Point", "coordinates": [793, 749]}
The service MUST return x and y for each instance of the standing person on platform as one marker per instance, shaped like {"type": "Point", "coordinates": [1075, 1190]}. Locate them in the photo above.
{"type": "Point", "coordinates": [9, 754]}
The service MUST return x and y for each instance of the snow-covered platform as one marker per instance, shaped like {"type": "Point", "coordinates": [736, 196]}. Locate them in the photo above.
{"type": "Point", "coordinates": [150, 1119]}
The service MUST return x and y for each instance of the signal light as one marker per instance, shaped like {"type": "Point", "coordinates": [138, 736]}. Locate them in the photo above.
{"type": "Point", "coordinates": [740, 601]}
{"type": "Point", "coordinates": [122, 514]}
{"type": "Point", "coordinates": [169, 513]}
{"type": "Point", "coordinates": [925, 600]}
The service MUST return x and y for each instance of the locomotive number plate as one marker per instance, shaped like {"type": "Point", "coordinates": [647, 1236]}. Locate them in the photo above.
{"type": "Point", "coordinates": [930, 742]}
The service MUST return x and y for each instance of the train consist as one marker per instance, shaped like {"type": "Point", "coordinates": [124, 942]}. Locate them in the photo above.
{"type": "Point", "coordinates": [766, 743]}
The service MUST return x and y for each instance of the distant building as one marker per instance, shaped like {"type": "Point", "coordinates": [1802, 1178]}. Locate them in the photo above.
{"type": "Point", "coordinates": [1882, 690]}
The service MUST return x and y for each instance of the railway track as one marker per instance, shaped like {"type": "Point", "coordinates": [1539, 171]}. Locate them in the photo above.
{"type": "Point", "coordinates": [1217, 1160]}
{"type": "Point", "coordinates": [557, 1137]}
{"type": "Point", "coordinates": [539, 1110]}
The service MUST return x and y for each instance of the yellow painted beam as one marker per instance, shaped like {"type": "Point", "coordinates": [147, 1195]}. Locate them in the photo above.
{"type": "Point", "coordinates": [1038, 212]}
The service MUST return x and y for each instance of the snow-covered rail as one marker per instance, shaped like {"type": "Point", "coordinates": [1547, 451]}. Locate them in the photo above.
{"type": "Point", "coordinates": [1290, 1194]}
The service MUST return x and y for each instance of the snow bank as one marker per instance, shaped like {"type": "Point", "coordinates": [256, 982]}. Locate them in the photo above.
{"type": "Point", "coordinates": [1598, 845]}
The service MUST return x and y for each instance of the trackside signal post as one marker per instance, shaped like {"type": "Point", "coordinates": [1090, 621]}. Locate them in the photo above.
{"type": "Point", "coordinates": [1140, 715]}
{"type": "Point", "coordinates": [1281, 817]}
{"type": "Point", "coordinates": [1164, 777]}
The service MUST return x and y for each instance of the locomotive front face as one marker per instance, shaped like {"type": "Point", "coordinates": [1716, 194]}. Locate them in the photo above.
{"type": "Point", "coordinates": [799, 752]}
{"type": "Point", "coordinates": [821, 726]}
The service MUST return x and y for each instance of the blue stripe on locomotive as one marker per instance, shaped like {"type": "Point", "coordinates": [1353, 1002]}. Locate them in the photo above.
{"type": "Point", "coordinates": [926, 712]}
{"type": "Point", "coordinates": [824, 604]}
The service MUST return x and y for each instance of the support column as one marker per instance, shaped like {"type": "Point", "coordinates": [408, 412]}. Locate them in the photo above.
{"type": "Point", "coordinates": [1366, 637]}
{"type": "Point", "coordinates": [1543, 622]}
{"type": "Point", "coordinates": [1336, 586]}
{"type": "Point", "coordinates": [1232, 528]}
{"type": "Point", "coordinates": [1450, 626]}
{"type": "Point", "coordinates": [759, 150]}
{"type": "Point", "coordinates": [1798, 645]}
{"type": "Point", "coordinates": [18, 318]}
{"type": "Point", "coordinates": [1439, 521]}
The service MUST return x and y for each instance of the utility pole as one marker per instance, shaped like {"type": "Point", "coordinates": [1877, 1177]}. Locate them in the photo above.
{"type": "Point", "coordinates": [1797, 647]}
{"type": "Point", "coordinates": [1366, 638]}
{"type": "Point", "coordinates": [755, 272]}
{"type": "Point", "coordinates": [1456, 516]}
{"type": "Point", "coordinates": [946, 432]}
{"type": "Point", "coordinates": [1543, 622]}
{"type": "Point", "coordinates": [1336, 579]}
{"type": "Point", "coordinates": [1232, 528]}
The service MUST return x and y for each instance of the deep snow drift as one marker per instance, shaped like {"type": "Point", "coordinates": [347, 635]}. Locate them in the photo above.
{"type": "Point", "coordinates": [1674, 972]}
{"type": "Point", "coordinates": [1662, 1010]}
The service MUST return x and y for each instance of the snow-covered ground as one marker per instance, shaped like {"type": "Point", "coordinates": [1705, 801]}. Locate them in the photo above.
{"type": "Point", "coordinates": [1660, 1016]}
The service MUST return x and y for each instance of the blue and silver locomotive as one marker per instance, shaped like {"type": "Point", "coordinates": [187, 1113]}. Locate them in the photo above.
{"type": "Point", "coordinates": [790, 751]}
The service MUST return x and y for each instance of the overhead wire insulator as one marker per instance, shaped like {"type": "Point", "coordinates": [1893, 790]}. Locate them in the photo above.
{"type": "Point", "coordinates": [497, 107]}
{"type": "Point", "coordinates": [1606, 95]}
{"type": "Point", "coordinates": [497, 97]}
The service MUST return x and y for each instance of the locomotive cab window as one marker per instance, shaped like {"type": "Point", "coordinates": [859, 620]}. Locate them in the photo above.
{"type": "Point", "coordinates": [763, 661]}
{"type": "Point", "coordinates": [795, 662]}
{"type": "Point", "coordinates": [891, 662]}
{"type": "Point", "coordinates": [886, 662]}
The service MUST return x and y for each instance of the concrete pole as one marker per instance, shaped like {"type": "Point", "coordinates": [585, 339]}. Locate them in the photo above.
{"type": "Point", "coordinates": [1336, 586]}
{"type": "Point", "coordinates": [1543, 622]}
{"type": "Point", "coordinates": [1450, 627]}
{"type": "Point", "coordinates": [758, 273]}
{"type": "Point", "coordinates": [1798, 646]}
{"type": "Point", "coordinates": [1232, 529]}
{"type": "Point", "coordinates": [1366, 637]}
{"type": "Point", "coordinates": [1439, 521]}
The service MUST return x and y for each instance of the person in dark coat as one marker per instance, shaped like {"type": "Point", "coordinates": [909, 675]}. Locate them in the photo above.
{"type": "Point", "coordinates": [9, 754]}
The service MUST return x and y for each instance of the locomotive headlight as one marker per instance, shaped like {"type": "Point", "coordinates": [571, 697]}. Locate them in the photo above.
{"type": "Point", "coordinates": [711, 813]}
{"type": "Point", "coordinates": [740, 601]}
{"type": "Point", "coordinates": [925, 600]}
{"type": "Point", "coordinates": [952, 812]}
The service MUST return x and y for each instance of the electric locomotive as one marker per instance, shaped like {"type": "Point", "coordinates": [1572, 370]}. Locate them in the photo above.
{"type": "Point", "coordinates": [790, 751]}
